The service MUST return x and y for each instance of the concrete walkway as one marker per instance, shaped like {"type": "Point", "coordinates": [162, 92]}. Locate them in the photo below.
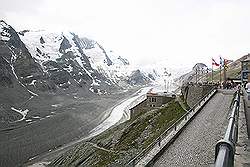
{"type": "Point", "coordinates": [195, 146]}
{"type": "Point", "coordinates": [157, 149]}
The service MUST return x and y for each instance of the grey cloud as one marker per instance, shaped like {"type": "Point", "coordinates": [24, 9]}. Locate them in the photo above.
{"type": "Point", "coordinates": [17, 6]}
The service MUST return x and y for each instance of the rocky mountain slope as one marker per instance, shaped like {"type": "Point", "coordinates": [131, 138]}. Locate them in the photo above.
{"type": "Point", "coordinates": [37, 63]}
{"type": "Point", "coordinates": [233, 70]}
{"type": "Point", "coordinates": [197, 73]}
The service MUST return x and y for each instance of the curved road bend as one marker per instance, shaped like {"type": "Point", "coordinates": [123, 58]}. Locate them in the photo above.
{"type": "Point", "coordinates": [196, 144]}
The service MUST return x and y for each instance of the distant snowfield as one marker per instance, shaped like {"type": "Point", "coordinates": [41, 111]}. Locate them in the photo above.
{"type": "Point", "coordinates": [121, 111]}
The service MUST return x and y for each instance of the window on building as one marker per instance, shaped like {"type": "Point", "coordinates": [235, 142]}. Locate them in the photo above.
{"type": "Point", "coordinates": [245, 66]}
{"type": "Point", "coordinates": [153, 99]}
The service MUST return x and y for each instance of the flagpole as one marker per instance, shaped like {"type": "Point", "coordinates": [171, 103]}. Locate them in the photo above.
{"type": "Point", "coordinates": [220, 76]}
{"type": "Point", "coordinates": [216, 64]}
{"type": "Point", "coordinates": [212, 73]}
{"type": "Point", "coordinates": [207, 75]}
{"type": "Point", "coordinates": [225, 76]}
{"type": "Point", "coordinates": [224, 69]}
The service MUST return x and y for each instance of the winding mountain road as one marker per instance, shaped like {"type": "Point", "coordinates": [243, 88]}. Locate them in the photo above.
{"type": "Point", "coordinates": [196, 144]}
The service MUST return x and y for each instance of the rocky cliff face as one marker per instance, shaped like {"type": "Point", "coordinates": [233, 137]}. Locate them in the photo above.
{"type": "Point", "coordinates": [138, 78]}
{"type": "Point", "coordinates": [16, 63]}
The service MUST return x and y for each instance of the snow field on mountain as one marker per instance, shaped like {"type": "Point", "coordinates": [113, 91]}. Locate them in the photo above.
{"type": "Point", "coordinates": [44, 46]}
{"type": "Point", "coordinates": [49, 50]}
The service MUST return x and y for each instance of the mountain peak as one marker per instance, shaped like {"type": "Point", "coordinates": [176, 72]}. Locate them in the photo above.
{"type": "Point", "coordinates": [199, 66]}
{"type": "Point", "coordinates": [3, 22]}
{"type": "Point", "coordinates": [4, 31]}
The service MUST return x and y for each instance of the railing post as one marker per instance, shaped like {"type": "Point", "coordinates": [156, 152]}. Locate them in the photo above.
{"type": "Point", "coordinates": [225, 149]}
{"type": "Point", "coordinates": [224, 154]}
{"type": "Point", "coordinates": [159, 141]}
{"type": "Point", "coordinates": [133, 163]}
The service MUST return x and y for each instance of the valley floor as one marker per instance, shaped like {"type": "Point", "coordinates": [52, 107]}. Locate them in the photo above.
{"type": "Point", "coordinates": [46, 131]}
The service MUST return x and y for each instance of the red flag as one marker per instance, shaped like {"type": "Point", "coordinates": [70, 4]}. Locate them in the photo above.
{"type": "Point", "coordinates": [214, 63]}
{"type": "Point", "coordinates": [226, 61]}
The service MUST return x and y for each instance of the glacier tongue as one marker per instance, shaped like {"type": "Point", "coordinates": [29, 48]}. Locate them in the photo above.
{"type": "Point", "coordinates": [121, 111]}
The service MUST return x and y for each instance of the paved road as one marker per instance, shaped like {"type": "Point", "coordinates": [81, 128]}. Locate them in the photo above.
{"type": "Point", "coordinates": [195, 145]}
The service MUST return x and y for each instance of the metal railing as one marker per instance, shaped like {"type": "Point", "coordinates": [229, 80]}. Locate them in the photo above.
{"type": "Point", "coordinates": [225, 148]}
{"type": "Point", "coordinates": [173, 128]}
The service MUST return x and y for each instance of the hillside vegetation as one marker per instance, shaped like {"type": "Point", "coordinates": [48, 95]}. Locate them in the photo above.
{"type": "Point", "coordinates": [117, 146]}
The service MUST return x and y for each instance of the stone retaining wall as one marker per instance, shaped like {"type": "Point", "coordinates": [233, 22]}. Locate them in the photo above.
{"type": "Point", "coordinates": [193, 93]}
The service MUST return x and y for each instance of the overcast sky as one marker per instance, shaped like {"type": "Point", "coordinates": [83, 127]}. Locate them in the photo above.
{"type": "Point", "coordinates": [179, 32]}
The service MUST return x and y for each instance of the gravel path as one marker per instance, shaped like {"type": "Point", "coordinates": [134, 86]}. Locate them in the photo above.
{"type": "Point", "coordinates": [195, 145]}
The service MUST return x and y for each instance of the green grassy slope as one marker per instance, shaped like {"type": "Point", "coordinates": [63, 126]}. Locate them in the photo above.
{"type": "Point", "coordinates": [117, 146]}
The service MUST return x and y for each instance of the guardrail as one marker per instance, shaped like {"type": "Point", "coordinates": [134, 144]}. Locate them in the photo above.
{"type": "Point", "coordinates": [175, 128]}
{"type": "Point", "coordinates": [225, 148]}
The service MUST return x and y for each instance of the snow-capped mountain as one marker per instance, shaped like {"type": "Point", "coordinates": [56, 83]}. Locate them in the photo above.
{"type": "Point", "coordinates": [60, 60]}
{"type": "Point", "coordinates": [40, 63]}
